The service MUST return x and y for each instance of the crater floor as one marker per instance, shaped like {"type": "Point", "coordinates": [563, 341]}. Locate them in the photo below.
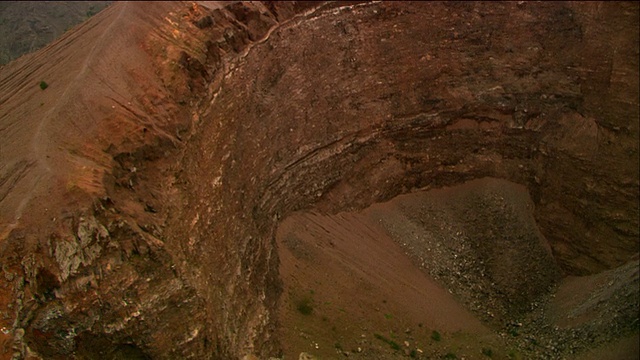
{"type": "Point", "coordinates": [379, 283]}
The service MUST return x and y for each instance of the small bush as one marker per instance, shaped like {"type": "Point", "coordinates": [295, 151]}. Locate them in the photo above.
{"type": "Point", "coordinates": [487, 352]}
{"type": "Point", "coordinates": [92, 11]}
{"type": "Point", "coordinates": [514, 355]}
{"type": "Point", "coordinates": [435, 336]}
{"type": "Point", "coordinates": [394, 345]}
{"type": "Point", "coordinates": [304, 306]}
{"type": "Point", "coordinates": [43, 85]}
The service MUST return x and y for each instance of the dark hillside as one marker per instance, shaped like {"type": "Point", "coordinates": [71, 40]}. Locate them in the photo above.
{"type": "Point", "coordinates": [26, 26]}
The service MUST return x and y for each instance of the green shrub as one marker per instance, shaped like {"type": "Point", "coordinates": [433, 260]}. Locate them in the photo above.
{"type": "Point", "coordinates": [43, 85]}
{"type": "Point", "coordinates": [515, 355]}
{"type": "Point", "coordinates": [304, 306]}
{"type": "Point", "coordinates": [435, 336]}
{"type": "Point", "coordinates": [394, 345]}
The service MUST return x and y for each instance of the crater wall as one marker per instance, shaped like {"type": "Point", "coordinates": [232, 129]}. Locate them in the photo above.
{"type": "Point", "coordinates": [352, 105]}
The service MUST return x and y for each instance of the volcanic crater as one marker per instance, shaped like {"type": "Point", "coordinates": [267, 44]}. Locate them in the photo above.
{"type": "Point", "coordinates": [371, 180]}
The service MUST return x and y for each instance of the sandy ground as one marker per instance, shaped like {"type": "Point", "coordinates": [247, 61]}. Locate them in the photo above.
{"type": "Point", "coordinates": [363, 278]}
{"type": "Point", "coordinates": [360, 283]}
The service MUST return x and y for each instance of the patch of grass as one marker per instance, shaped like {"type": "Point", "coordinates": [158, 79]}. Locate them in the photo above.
{"type": "Point", "coordinates": [487, 352]}
{"type": "Point", "coordinates": [43, 85]}
{"type": "Point", "coordinates": [450, 355]}
{"type": "Point", "coordinates": [435, 336]}
{"type": "Point", "coordinates": [513, 354]}
{"type": "Point", "coordinates": [394, 345]}
{"type": "Point", "coordinates": [388, 316]}
{"type": "Point", "coordinates": [304, 306]}
{"type": "Point", "coordinates": [338, 346]}
{"type": "Point", "coordinates": [92, 11]}
{"type": "Point", "coordinates": [413, 354]}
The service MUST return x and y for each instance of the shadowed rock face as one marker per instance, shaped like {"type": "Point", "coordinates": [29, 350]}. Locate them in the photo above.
{"type": "Point", "coordinates": [260, 110]}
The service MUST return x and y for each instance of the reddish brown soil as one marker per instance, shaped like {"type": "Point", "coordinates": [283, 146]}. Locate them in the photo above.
{"type": "Point", "coordinates": [362, 278]}
{"type": "Point", "coordinates": [358, 282]}
{"type": "Point", "coordinates": [424, 262]}
{"type": "Point", "coordinates": [373, 273]}
{"type": "Point", "coordinates": [59, 153]}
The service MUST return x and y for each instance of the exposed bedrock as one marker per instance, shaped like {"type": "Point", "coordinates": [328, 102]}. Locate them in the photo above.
{"type": "Point", "coordinates": [361, 104]}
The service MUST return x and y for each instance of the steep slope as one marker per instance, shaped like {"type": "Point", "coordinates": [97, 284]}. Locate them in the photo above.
{"type": "Point", "coordinates": [49, 136]}
{"type": "Point", "coordinates": [377, 283]}
{"type": "Point", "coordinates": [439, 260]}
{"type": "Point", "coordinates": [141, 192]}
{"type": "Point", "coordinates": [116, 88]}
{"type": "Point", "coordinates": [87, 172]}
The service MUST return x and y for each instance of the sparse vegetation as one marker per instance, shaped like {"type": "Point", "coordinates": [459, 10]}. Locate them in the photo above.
{"type": "Point", "coordinates": [514, 355]}
{"type": "Point", "coordinates": [394, 345]}
{"type": "Point", "coordinates": [450, 355]}
{"type": "Point", "coordinates": [304, 306]}
{"type": "Point", "coordinates": [435, 336]}
{"type": "Point", "coordinates": [487, 352]}
{"type": "Point", "coordinates": [43, 85]}
{"type": "Point", "coordinates": [92, 11]}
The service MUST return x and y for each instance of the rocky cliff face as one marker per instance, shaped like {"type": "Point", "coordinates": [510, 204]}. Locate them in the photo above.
{"type": "Point", "coordinates": [143, 224]}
